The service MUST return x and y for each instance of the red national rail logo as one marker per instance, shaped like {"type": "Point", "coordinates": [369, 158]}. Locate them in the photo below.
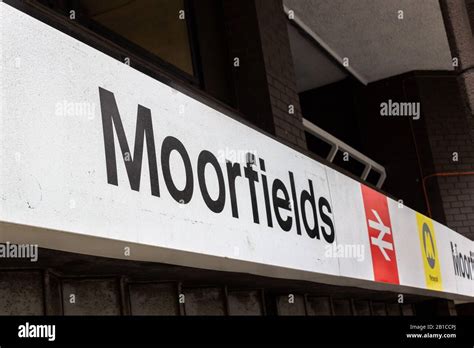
{"type": "Point", "coordinates": [382, 247]}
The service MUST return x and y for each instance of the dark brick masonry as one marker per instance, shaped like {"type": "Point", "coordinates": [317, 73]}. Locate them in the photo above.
{"type": "Point", "coordinates": [449, 131]}
{"type": "Point", "coordinates": [280, 72]}
{"type": "Point", "coordinates": [448, 108]}
{"type": "Point", "coordinates": [265, 82]}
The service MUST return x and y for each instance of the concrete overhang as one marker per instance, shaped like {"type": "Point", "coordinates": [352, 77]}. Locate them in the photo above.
{"type": "Point", "coordinates": [371, 34]}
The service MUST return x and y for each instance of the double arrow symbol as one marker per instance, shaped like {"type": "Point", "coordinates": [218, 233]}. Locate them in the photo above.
{"type": "Point", "coordinates": [379, 242]}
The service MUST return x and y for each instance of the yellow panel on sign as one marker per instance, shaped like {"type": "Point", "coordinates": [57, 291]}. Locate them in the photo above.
{"type": "Point", "coordinates": [429, 252]}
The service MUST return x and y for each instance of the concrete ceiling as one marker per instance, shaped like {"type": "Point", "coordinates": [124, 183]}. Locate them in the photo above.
{"type": "Point", "coordinates": [369, 32]}
{"type": "Point", "coordinates": [313, 67]}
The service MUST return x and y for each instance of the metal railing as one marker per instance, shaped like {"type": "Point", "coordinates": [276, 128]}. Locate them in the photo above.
{"type": "Point", "coordinates": [338, 145]}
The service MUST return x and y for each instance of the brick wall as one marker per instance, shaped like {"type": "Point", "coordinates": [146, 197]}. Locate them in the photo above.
{"type": "Point", "coordinates": [252, 98]}
{"type": "Point", "coordinates": [280, 72]}
{"type": "Point", "coordinates": [449, 131]}
{"type": "Point", "coordinates": [447, 103]}
{"type": "Point", "coordinates": [458, 203]}
{"type": "Point", "coordinates": [265, 82]}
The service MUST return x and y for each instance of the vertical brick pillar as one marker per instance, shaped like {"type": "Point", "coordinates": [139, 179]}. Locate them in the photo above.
{"type": "Point", "coordinates": [264, 83]}
{"type": "Point", "coordinates": [458, 16]}
{"type": "Point", "coordinates": [448, 132]}
{"type": "Point", "coordinates": [280, 72]}
{"type": "Point", "coordinates": [252, 98]}
{"type": "Point", "coordinates": [447, 103]}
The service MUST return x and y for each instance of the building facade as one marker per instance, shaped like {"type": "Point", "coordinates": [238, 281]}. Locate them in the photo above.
{"type": "Point", "coordinates": [332, 109]}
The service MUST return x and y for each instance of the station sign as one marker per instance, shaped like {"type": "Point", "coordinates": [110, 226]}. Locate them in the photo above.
{"type": "Point", "coordinates": [98, 158]}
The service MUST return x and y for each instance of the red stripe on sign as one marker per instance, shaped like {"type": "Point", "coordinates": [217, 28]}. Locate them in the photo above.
{"type": "Point", "coordinates": [382, 247]}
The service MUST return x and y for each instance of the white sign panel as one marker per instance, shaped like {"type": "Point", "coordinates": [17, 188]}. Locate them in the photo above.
{"type": "Point", "coordinates": [96, 156]}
